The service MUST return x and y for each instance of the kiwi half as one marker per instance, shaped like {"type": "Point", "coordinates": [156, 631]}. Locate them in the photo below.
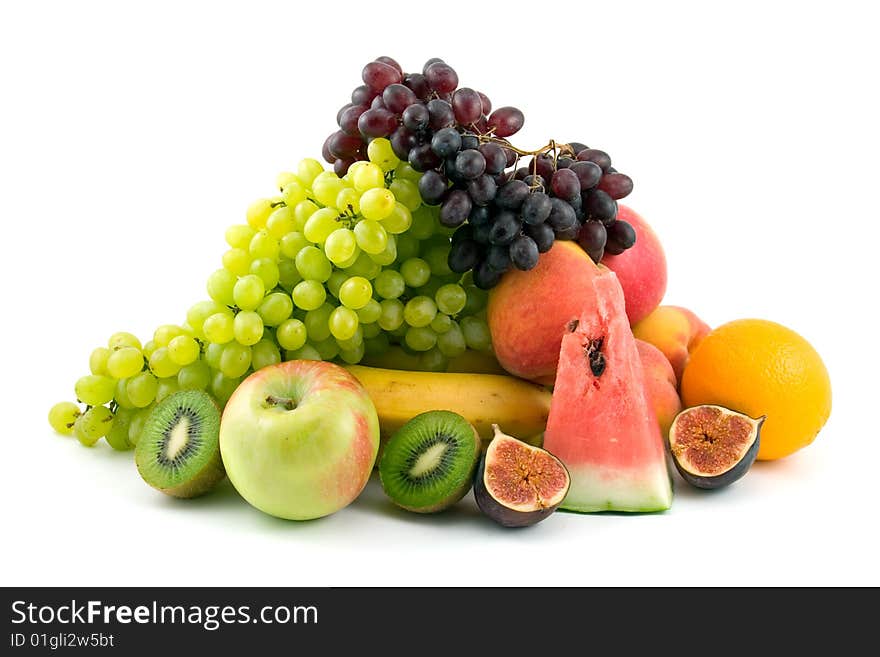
{"type": "Point", "coordinates": [428, 464]}
{"type": "Point", "coordinates": [179, 449]}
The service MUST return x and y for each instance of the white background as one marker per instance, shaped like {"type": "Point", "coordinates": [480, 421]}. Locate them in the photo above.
{"type": "Point", "coordinates": [132, 134]}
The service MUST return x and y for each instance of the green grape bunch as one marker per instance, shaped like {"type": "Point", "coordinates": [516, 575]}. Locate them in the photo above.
{"type": "Point", "coordinates": [329, 269]}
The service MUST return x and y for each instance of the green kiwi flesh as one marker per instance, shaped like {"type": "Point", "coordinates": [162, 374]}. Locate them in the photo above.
{"type": "Point", "coordinates": [428, 464]}
{"type": "Point", "coordinates": [179, 449]}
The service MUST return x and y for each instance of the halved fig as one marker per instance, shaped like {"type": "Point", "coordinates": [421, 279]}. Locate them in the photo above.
{"type": "Point", "coordinates": [518, 484]}
{"type": "Point", "coordinates": [713, 446]}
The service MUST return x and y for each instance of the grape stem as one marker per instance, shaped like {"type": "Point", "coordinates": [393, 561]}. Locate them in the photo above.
{"type": "Point", "coordinates": [557, 148]}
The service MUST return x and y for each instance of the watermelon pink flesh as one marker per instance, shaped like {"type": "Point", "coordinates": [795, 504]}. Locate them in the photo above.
{"type": "Point", "coordinates": [602, 426]}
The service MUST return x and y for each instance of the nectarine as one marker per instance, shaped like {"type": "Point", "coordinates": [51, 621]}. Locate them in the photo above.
{"type": "Point", "coordinates": [675, 331]}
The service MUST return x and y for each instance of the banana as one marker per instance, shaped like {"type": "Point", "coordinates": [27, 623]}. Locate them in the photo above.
{"type": "Point", "coordinates": [518, 406]}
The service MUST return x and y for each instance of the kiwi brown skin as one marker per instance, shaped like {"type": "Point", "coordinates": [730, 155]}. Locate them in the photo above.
{"type": "Point", "coordinates": [203, 482]}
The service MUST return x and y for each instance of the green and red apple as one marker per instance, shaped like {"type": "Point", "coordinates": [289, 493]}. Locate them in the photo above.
{"type": "Point", "coordinates": [299, 439]}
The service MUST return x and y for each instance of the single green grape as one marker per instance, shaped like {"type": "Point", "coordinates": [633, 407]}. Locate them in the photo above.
{"type": "Point", "coordinates": [398, 220]}
{"type": "Point", "coordinates": [379, 152]}
{"type": "Point", "coordinates": [169, 385]}
{"type": "Point", "coordinates": [437, 258]}
{"type": "Point", "coordinates": [218, 328]}
{"type": "Point", "coordinates": [120, 394]}
{"type": "Point", "coordinates": [307, 170]}
{"type": "Point", "coordinates": [420, 311]}
{"type": "Point", "coordinates": [451, 298]}
{"type": "Point", "coordinates": [183, 350]}
{"type": "Point", "coordinates": [415, 272]}
{"type": "Point", "coordinates": [292, 192]}
{"type": "Point", "coordinates": [123, 339]}
{"type": "Point", "coordinates": [263, 245]}
{"type": "Point", "coordinates": [372, 329]}
{"type": "Point", "coordinates": [476, 333]}
{"type": "Point", "coordinates": [259, 212]}
{"type": "Point", "coordinates": [284, 178]}
{"type": "Point", "coordinates": [340, 246]}
{"type": "Point", "coordinates": [391, 317]}
{"type": "Point", "coordinates": [364, 266]}
{"type": "Point", "coordinates": [356, 292]}
{"type": "Point", "coordinates": [222, 387]}
{"type": "Point", "coordinates": [352, 356]}
{"type": "Point", "coordinates": [195, 376]}
{"type": "Point", "coordinates": [248, 292]}
{"type": "Point", "coordinates": [93, 424]}
{"type": "Point", "coordinates": [343, 323]}
{"type": "Point", "coordinates": [407, 193]}
{"type": "Point", "coordinates": [264, 354]}
{"type": "Point", "coordinates": [326, 188]}
{"type": "Point", "coordinates": [288, 275]}
{"type": "Point", "coordinates": [321, 224]}
{"type": "Point", "coordinates": [407, 247]}
{"type": "Point", "coordinates": [371, 236]}
{"type": "Point", "coordinates": [292, 243]}
{"type": "Point", "coordinates": [441, 323]}
{"type": "Point", "coordinates": [98, 361]}
{"type": "Point", "coordinates": [369, 312]}
{"type": "Point", "coordinates": [404, 171]}
{"type": "Point", "coordinates": [162, 364]}
{"type": "Point", "coordinates": [237, 261]}
{"type": "Point", "coordinates": [235, 360]}
{"type": "Point", "coordinates": [307, 352]}
{"type": "Point", "coordinates": [433, 360]}
{"type": "Point", "coordinates": [117, 437]}
{"type": "Point", "coordinates": [353, 342]}
{"type": "Point", "coordinates": [302, 212]}
{"type": "Point", "coordinates": [309, 295]}
{"type": "Point", "coordinates": [166, 333]}
{"type": "Point", "coordinates": [267, 270]}
{"type": "Point", "coordinates": [141, 389]}
{"type": "Point", "coordinates": [388, 255]}
{"type": "Point", "coordinates": [420, 338]}
{"type": "Point", "coordinates": [367, 176]}
{"type": "Point", "coordinates": [136, 424]}
{"type": "Point", "coordinates": [149, 347]}
{"type": "Point", "coordinates": [423, 224]}
{"type": "Point", "coordinates": [248, 327]}
{"type": "Point", "coordinates": [280, 222]}
{"type": "Point", "coordinates": [476, 300]}
{"type": "Point", "coordinates": [62, 417]}
{"type": "Point", "coordinates": [377, 203]}
{"type": "Point", "coordinates": [212, 354]}
{"type": "Point", "coordinates": [220, 285]}
{"type": "Point", "coordinates": [239, 236]}
{"type": "Point", "coordinates": [312, 264]}
{"type": "Point", "coordinates": [95, 390]}
{"type": "Point", "coordinates": [376, 345]}
{"type": "Point", "coordinates": [125, 362]}
{"type": "Point", "coordinates": [389, 284]}
{"type": "Point", "coordinates": [348, 201]}
{"type": "Point", "coordinates": [275, 308]}
{"type": "Point", "coordinates": [328, 349]}
{"type": "Point", "coordinates": [198, 313]}
{"type": "Point", "coordinates": [316, 322]}
{"type": "Point", "coordinates": [337, 278]}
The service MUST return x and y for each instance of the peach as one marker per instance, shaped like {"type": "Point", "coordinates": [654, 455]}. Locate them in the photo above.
{"type": "Point", "coordinates": [675, 331]}
{"type": "Point", "coordinates": [641, 269]}
{"type": "Point", "coordinates": [528, 310]}
{"type": "Point", "coordinates": [660, 385]}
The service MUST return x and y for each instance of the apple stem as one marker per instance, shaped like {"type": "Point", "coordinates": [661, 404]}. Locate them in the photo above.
{"type": "Point", "coordinates": [288, 403]}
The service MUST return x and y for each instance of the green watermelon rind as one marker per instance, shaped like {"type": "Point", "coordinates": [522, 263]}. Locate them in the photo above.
{"type": "Point", "coordinates": [651, 493]}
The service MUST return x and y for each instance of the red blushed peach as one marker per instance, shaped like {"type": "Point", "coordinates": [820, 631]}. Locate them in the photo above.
{"type": "Point", "coordinates": [641, 269]}
{"type": "Point", "coordinates": [529, 310]}
{"type": "Point", "coordinates": [675, 331]}
{"type": "Point", "coordinates": [660, 385]}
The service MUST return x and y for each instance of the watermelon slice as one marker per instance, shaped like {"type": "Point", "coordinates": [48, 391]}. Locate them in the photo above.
{"type": "Point", "coordinates": [601, 425]}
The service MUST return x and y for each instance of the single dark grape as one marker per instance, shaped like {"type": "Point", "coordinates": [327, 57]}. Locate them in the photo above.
{"type": "Point", "coordinates": [535, 182]}
{"type": "Point", "coordinates": [592, 238]}
{"type": "Point", "coordinates": [340, 167]}
{"type": "Point", "coordinates": [348, 119]}
{"type": "Point", "coordinates": [577, 147]}
{"type": "Point", "coordinates": [432, 187]}
{"type": "Point", "coordinates": [496, 160]}
{"type": "Point", "coordinates": [362, 95]}
{"type": "Point", "coordinates": [377, 122]}
{"type": "Point", "coordinates": [418, 84]}
{"type": "Point", "coordinates": [595, 155]}
{"type": "Point", "coordinates": [480, 216]}
{"type": "Point", "coordinates": [402, 142]}
{"type": "Point", "coordinates": [433, 60]}
{"type": "Point", "coordinates": [510, 155]}
{"type": "Point", "coordinates": [455, 209]}
{"type": "Point", "coordinates": [469, 142]}
{"type": "Point", "coordinates": [341, 110]}
{"type": "Point", "coordinates": [543, 236]}
{"type": "Point", "coordinates": [569, 233]}
{"type": "Point", "coordinates": [521, 173]}
{"type": "Point", "coordinates": [503, 178]}
{"type": "Point", "coordinates": [565, 184]}
{"type": "Point", "coordinates": [485, 277]}
{"type": "Point", "coordinates": [441, 77]}
{"type": "Point", "coordinates": [482, 233]}
{"type": "Point", "coordinates": [589, 174]}
{"type": "Point", "coordinates": [446, 142]}
{"type": "Point", "coordinates": [599, 206]}
{"type": "Point", "coordinates": [422, 158]}
{"type": "Point", "coordinates": [470, 164]}
{"type": "Point", "coordinates": [441, 114]}
{"type": "Point", "coordinates": [482, 189]}
{"type": "Point", "coordinates": [561, 216]}
{"type": "Point", "coordinates": [378, 103]}
{"type": "Point", "coordinates": [463, 256]}
{"type": "Point", "coordinates": [563, 162]}
{"type": "Point", "coordinates": [467, 105]}
{"type": "Point", "coordinates": [391, 62]}
{"type": "Point", "coordinates": [512, 194]}
{"type": "Point", "coordinates": [506, 121]}
{"type": "Point", "coordinates": [325, 150]}
{"type": "Point", "coordinates": [344, 146]}
{"type": "Point", "coordinates": [378, 75]}
{"type": "Point", "coordinates": [505, 227]}
{"type": "Point", "coordinates": [622, 233]}
{"type": "Point", "coordinates": [536, 208]}
{"type": "Point", "coordinates": [416, 117]}
{"type": "Point", "coordinates": [398, 97]}
{"type": "Point", "coordinates": [485, 103]}
{"type": "Point", "coordinates": [543, 166]}
{"type": "Point", "coordinates": [616, 185]}
{"type": "Point", "coordinates": [524, 253]}
{"type": "Point", "coordinates": [462, 233]}
{"type": "Point", "coordinates": [498, 257]}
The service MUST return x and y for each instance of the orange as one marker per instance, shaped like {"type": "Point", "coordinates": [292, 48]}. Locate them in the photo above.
{"type": "Point", "coordinates": [760, 368]}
